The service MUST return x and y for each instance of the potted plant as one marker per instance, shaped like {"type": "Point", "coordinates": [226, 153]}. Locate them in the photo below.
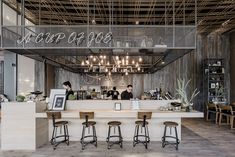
{"type": "Point", "coordinates": [186, 100]}
{"type": "Point", "coordinates": [20, 98]}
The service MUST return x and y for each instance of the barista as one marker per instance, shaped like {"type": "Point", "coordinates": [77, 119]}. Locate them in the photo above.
{"type": "Point", "coordinates": [93, 94]}
{"type": "Point", "coordinates": [114, 93]}
{"type": "Point", "coordinates": [127, 94]}
{"type": "Point", "coordinates": [67, 85]}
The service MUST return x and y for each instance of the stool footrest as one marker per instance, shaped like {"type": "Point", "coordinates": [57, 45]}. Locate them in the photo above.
{"type": "Point", "coordinates": [170, 137]}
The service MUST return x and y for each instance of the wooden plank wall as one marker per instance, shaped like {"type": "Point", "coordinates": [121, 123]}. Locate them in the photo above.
{"type": "Point", "coordinates": [232, 65]}
{"type": "Point", "coordinates": [190, 66]}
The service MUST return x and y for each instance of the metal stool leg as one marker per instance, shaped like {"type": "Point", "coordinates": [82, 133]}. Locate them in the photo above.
{"type": "Point", "coordinates": [177, 140]}
{"type": "Point", "coordinates": [136, 136]}
{"type": "Point", "coordinates": [146, 138]}
{"type": "Point", "coordinates": [120, 136]}
{"type": "Point", "coordinates": [108, 138]}
{"type": "Point", "coordinates": [52, 136]}
{"type": "Point", "coordinates": [94, 135]}
{"type": "Point", "coordinates": [82, 139]}
{"type": "Point", "coordinates": [67, 133]}
{"type": "Point", "coordinates": [164, 138]}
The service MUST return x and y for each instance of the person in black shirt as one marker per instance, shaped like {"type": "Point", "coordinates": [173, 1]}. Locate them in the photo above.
{"type": "Point", "coordinates": [67, 85]}
{"type": "Point", "coordinates": [114, 93]}
{"type": "Point", "coordinates": [127, 94]}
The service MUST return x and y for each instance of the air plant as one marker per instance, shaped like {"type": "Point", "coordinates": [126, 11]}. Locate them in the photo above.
{"type": "Point", "coordinates": [182, 92]}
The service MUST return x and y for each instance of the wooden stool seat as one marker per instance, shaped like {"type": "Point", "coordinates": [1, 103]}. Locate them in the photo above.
{"type": "Point", "coordinates": [170, 124]}
{"type": "Point", "coordinates": [60, 123]}
{"type": "Point", "coordinates": [140, 122]}
{"type": "Point", "coordinates": [89, 123]}
{"type": "Point", "coordinates": [114, 123]}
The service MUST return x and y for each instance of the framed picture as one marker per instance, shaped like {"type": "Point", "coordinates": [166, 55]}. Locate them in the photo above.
{"type": "Point", "coordinates": [212, 85]}
{"type": "Point", "coordinates": [117, 106]}
{"type": "Point", "coordinates": [59, 102]}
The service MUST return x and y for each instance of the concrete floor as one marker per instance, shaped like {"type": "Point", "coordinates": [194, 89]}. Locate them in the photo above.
{"type": "Point", "coordinates": [199, 139]}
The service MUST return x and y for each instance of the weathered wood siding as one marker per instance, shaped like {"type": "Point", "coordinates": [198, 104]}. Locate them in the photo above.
{"type": "Point", "coordinates": [232, 66]}
{"type": "Point", "coordinates": [190, 65]}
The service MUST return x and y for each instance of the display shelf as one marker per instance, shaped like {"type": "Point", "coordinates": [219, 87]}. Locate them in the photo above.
{"type": "Point", "coordinates": [214, 89]}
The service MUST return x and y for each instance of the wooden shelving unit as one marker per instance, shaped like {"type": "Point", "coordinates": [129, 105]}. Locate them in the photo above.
{"type": "Point", "coordinates": [214, 86]}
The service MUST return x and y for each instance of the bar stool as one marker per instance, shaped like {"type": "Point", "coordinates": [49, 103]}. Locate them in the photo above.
{"type": "Point", "coordinates": [170, 125]}
{"type": "Point", "coordinates": [142, 124]}
{"type": "Point", "coordinates": [86, 126]}
{"type": "Point", "coordinates": [114, 124]}
{"type": "Point", "coordinates": [62, 124]}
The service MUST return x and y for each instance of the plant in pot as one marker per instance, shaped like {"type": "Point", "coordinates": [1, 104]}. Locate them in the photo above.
{"type": "Point", "coordinates": [181, 91]}
{"type": "Point", "coordinates": [20, 98]}
{"type": "Point", "coordinates": [72, 97]}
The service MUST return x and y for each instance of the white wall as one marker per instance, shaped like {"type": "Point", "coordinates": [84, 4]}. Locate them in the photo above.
{"type": "Point", "coordinates": [10, 74]}
{"type": "Point", "coordinates": [26, 75]}
{"type": "Point", "coordinates": [9, 16]}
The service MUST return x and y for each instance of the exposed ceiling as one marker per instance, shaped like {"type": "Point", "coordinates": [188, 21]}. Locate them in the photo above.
{"type": "Point", "coordinates": [212, 15]}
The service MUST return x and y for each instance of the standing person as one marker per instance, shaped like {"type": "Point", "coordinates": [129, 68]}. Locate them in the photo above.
{"type": "Point", "coordinates": [127, 94]}
{"type": "Point", "coordinates": [93, 94]}
{"type": "Point", "coordinates": [67, 85]}
{"type": "Point", "coordinates": [114, 93]}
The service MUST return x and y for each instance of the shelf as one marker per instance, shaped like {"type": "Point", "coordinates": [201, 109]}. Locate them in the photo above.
{"type": "Point", "coordinates": [217, 88]}
{"type": "Point", "coordinates": [216, 96]}
{"type": "Point", "coordinates": [215, 66]}
{"type": "Point", "coordinates": [210, 78]}
{"type": "Point", "coordinates": [216, 73]}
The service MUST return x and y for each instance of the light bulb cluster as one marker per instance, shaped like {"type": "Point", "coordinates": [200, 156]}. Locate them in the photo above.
{"type": "Point", "coordinates": [123, 63]}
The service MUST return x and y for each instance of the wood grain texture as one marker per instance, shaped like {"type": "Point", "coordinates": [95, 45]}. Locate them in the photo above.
{"type": "Point", "coordinates": [190, 66]}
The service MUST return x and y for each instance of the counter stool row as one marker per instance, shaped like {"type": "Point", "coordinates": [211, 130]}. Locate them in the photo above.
{"type": "Point", "coordinates": [141, 134]}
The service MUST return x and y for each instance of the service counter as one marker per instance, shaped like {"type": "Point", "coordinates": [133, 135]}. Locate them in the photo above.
{"type": "Point", "coordinates": [25, 125]}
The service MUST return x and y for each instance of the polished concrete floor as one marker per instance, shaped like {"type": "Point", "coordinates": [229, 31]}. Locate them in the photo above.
{"type": "Point", "coordinates": [199, 139]}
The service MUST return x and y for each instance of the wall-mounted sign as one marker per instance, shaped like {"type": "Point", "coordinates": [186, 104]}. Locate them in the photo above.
{"type": "Point", "coordinates": [116, 37]}
{"type": "Point", "coordinates": [75, 37]}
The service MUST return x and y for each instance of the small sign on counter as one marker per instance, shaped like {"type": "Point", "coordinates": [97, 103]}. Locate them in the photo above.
{"type": "Point", "coordinates": [117, 106]}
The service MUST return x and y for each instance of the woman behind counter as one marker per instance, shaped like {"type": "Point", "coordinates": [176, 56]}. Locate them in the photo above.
{"type": "Point", "coordinates": [67, 85]}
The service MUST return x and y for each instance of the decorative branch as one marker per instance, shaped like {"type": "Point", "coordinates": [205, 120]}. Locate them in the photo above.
{"type": "Point", "coordinates": [182, 91]}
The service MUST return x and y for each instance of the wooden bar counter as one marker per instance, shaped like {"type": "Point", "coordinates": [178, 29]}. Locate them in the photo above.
{"type": "Point", "coordinates": [25, 126]}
